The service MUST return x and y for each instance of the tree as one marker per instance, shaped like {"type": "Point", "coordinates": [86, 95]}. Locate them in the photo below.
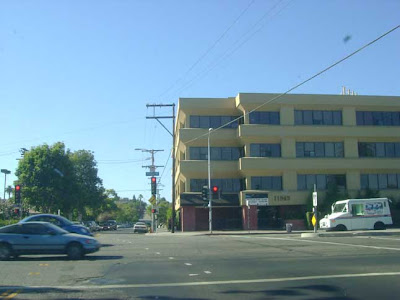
{"type": "Point", "coordinates": [9, 190]}
{"type": "Point", "coordinates": [48, 179]}
{"type": "Point", "coordinates": [89, 185]}
{"type": "Point", "coordinates": [163, 207]}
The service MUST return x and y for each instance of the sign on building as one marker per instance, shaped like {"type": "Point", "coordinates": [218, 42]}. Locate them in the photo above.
{"type": "Point", "coordinates": [257, 199]}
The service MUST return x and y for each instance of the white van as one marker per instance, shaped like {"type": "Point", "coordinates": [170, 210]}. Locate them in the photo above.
{"type": "Point", "coordinates": [354, 214]}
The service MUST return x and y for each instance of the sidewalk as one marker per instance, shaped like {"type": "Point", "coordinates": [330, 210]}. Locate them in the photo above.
{"type": "Point", "coordinates": [302, 233]}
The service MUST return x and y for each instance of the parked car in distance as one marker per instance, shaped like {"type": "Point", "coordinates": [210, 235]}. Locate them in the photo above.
{"type": "Point", "coordinates": [104, 226]}
{"type": "Point", "coordinates": [43, 238]}
{"type": "Point", "coordinates": [125, 225]}
{"type": "Point", "coordinates": [140, 227]}
{"type": "Point", "coordinates": [60, 222]}
{"type": "Point", "coordinates": [92, 225]}
{"type": "Point", "coordinates": [112, 224]}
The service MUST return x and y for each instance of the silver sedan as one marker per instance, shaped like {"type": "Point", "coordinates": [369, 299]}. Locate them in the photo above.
{"type": "Point", "coordinates": [43, 238]}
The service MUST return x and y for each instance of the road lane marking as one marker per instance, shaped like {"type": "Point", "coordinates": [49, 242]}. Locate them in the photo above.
{"type": "Point", "coordinates": [158, 253]}
{"type": "Point", "coordinates": [146, 248]}
{"type": "Point", "coordinates": [202, 283]}
{"type": "Point", "coordinates": [44, 265]}
{"type": "Point", "coordinates": [170, 257]}
{"type": "Point", "coordinates": [376, 238]}
{"type": "Point", "coordinates": [319, 242]}
{"type": "Point", "coordinates": [188, 264]}
{"type": "Point", "coordinates": [193, 274]}
{"type": "Point", "coordinates": [12, 295]}
{"type": "Point", "coordinates": [34, 273]}
{"type": "Point", "coordinates": [6, 293]}
{"type": "Point", "coordinates": [207, 272]}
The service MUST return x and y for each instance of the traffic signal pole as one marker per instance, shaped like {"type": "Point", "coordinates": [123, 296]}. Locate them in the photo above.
{"type": "Point", "coordinates": [209, 184]}
{"type": "Point", "coordinates": [173, 150]}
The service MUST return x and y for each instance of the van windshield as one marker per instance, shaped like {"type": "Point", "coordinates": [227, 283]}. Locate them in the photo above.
{"type": "Point", "coordinates": [339, 208]}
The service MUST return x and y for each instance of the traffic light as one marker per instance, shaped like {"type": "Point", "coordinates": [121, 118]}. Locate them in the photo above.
{"type": "Point", "coordinates": [215, 192]}
{"type": "Point", "coordinates": [153, 211]}
{"type": "Point", "coordinates": [204, 193]}
{"type": "Point", "coordinates": [153, 185]}
{"type": "Point", "coordinates": [17, 191]}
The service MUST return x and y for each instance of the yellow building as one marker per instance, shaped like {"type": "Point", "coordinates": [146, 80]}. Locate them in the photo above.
{"type": "Point", "coordinates": [271, 154]}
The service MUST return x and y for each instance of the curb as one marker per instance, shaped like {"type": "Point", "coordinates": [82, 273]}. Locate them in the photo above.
{"type": "Point", "coordinates": [350, 234]}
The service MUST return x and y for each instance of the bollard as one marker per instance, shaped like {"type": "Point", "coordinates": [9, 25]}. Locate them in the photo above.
{"type": "Point", "coordinates": [289, 227]}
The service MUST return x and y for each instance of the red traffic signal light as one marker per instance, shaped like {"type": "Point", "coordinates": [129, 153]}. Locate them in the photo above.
{"type": "Point", "coordinates": [215, 189]}
{"type": "Point", "coordinates": [153, 211]}
{"type": "Point", "coordinates": [18, 188]}
{"type": "Point", "coordinates": [153, 179]}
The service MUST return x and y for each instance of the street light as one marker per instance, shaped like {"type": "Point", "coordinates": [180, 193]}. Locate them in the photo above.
{"type": "Point", "coordinates": [5, 171]}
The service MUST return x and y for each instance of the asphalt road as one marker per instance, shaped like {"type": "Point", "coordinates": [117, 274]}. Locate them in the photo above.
{"type": "Point", "coordinates": [177, 266]}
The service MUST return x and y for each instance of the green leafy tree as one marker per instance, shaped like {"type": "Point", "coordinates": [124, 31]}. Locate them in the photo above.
{"type": "Point", "coordinates": [9, 190]}
{"type": "Point", "coordinates": [48, 179]}
{"type": "Point", "coordinates": [90, 193]}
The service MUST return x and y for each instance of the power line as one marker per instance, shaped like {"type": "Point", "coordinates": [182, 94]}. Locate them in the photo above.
{"type": "Point", "coordinates": [230, 51]}
{"type": "Point", "coordinates": [300, 84]}
{"type": "Point", "coordinates": [208, 50]}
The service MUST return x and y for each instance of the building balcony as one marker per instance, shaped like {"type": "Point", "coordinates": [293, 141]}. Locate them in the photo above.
{"type": "Point", "coordinates": [253, 132]}
{"type": "Point", "coordinates": [199, 168]}
{"type": "Point", "coordinates": [263, 165]}
{"type": "Point", "coordinates": [222, 137]}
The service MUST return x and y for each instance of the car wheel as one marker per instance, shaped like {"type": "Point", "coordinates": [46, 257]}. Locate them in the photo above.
{"type": "Point", "coordinates": [379, 226]}
{"type": "Point", "coordinates": [5, 252]}
{"type": "Point", "coordinates": [74, 251]}
{"type": "Point", "coordinates": [341, 227]}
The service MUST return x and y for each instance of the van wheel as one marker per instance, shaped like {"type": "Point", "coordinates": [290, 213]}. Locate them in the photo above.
{"type": "Point", "coordinates": [341, 227]}
{"type": "Point", "coordinates": [379, 226]}
{"type": "Point", "coordinates": [74, 251]}
{"type": "Point", "coordinates": [5, 252]}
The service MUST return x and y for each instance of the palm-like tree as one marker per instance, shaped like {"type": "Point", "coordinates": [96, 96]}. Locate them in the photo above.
{"type": "Point", "coordinates": [9, 190]}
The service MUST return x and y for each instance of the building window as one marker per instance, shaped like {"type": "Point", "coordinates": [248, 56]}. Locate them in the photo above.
{"type": "Point", "coordinates": [378, 118]}
{"type": "Point", "coordinates": [265, 117]}
{"type": "Point", "coordinates": [226, 185]}
{"type": "Point", "coordinates": [318, 117]}
{"type": "Point", "coordinates": [380, 181]}
{"type": "Point", "coordinates": [266, 183]}
{"type": "Point", "coordinates": [213, 121]}
{"type": "Point", "coordinates": [217, 153]}
{"type": "Point", "coordinates": [265, 150]}
{"type": "Point", "coordinates": [379, 149]}
{"type": "Point", "coordinates": [322, 181]}
{"type": "Point", "coordinates": [319, 149]}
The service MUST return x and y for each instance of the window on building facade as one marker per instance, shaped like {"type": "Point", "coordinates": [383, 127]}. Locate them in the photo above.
{"type": "Point", "coordinates": [213, 121]}
{"type": "Point", "coordinates": [319, 149]}
{"type": "Point", "coordinates": [322, 181]}
{"type": "Point", "coordinates": [265, 150]}
{"type": "Point", "coordinates": [380, 181]}
{"type": "Point", "coordinates": [378, 118]}
{"type": "Point", "coordinates": [264, 117]}
{"type": "Point", "coordinates": [216, 153]}
{"type": "Point", "coordinates": [266, 183]}
{"type": "Point", "coordinates": [226, 185]}
{"type": "Point", "coordinates": [379, 149]}
{"type": "Point", "coordinates": [317, 117]}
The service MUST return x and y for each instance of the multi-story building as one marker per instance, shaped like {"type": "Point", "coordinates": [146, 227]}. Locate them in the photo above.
{"type": "Point", "coordinates": [270, 154]}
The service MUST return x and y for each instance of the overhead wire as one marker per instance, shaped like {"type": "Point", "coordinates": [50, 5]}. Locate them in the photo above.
{"type": "Point", "coordinates": [298, 85]}
{"type": "Point", "coordinates": [230, 51]}
{"type": "Point", "coordinates": [208, 50]}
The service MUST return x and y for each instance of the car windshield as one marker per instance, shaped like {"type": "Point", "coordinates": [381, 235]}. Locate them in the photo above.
{"type": "Point", "coordinates": [339, 208]}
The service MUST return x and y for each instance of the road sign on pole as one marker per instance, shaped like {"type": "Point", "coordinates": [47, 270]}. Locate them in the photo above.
{"type": "Point", "coordinates": [315, 198]}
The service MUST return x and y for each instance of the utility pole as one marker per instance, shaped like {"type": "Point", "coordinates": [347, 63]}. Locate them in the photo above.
{"type": "Point", "coordinates": [173, 149]}
{"type": "Point", "coordinates": [152, 167]}
{"type": "Point", "coordinates": [6, 172]}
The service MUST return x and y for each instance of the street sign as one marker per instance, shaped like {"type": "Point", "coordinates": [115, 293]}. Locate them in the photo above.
{"type": "Point", "coordinates": [314, 220]}
{"type": "Point", "coordinates": [257, 201]}
{"type": "Point", "coordinates": [152, 173]}
{"type": "Point", "coordinates": [153, 200]}
{"type": "Point", "coordinates": [315, 198]}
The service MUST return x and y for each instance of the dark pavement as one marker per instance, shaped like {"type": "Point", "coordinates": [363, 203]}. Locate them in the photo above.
{"type": "Point", "coordinates": [193, 266]}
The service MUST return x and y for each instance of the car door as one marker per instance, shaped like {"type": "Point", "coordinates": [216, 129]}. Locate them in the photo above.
{"type": "Point", "coordinates": [39, 240]}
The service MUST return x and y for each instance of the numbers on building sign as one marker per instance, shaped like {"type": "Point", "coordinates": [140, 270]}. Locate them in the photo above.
{"type": "Point", "coordinates": [282, 198]}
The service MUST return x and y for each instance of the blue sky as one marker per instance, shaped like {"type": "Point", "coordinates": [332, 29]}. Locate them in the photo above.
{"type": "Point", "coordinates": [82, 72]}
